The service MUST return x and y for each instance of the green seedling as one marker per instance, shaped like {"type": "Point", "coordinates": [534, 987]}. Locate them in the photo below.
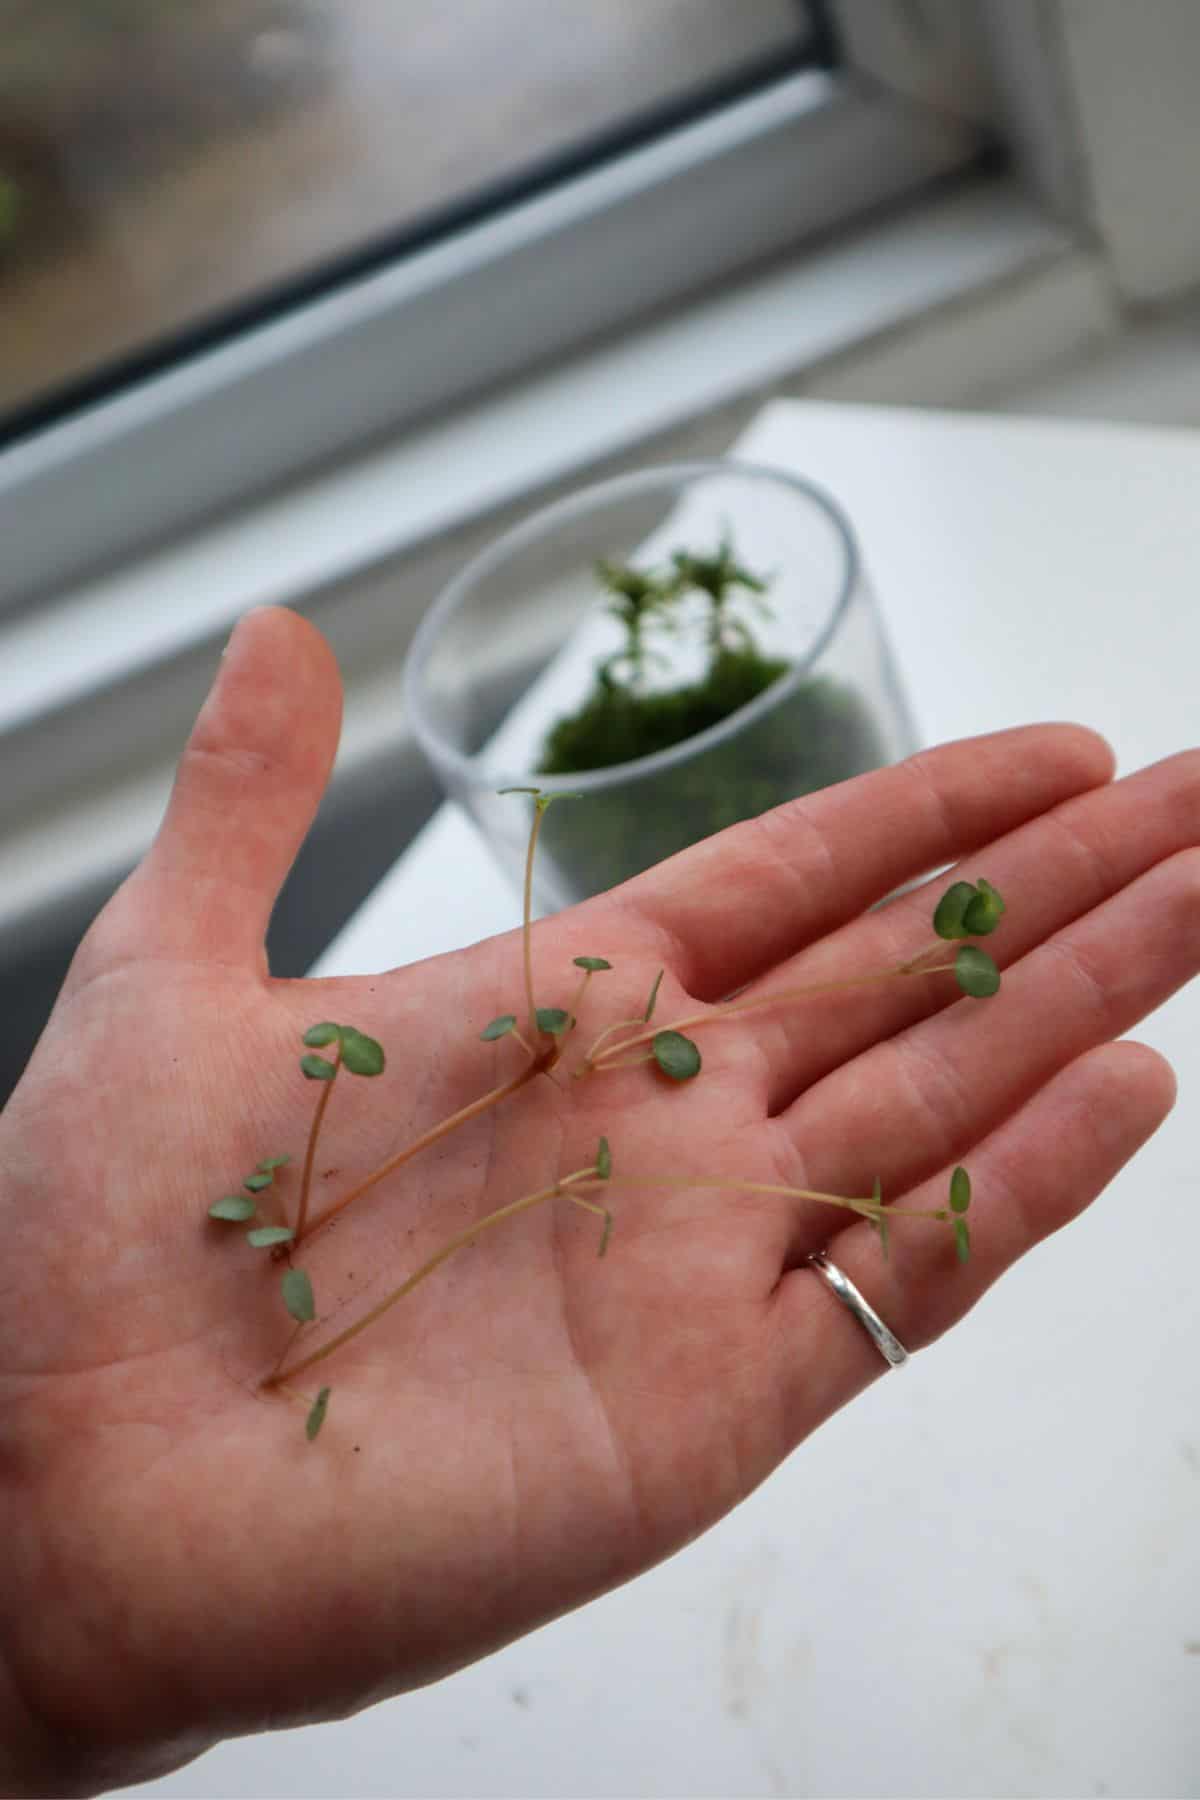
{"type": "Point", "coordinates": [622, 717]}
{"type": "Point", "coordinates": [637, 597]}
{"type": "Point", "coordinates": [354, 1051]}
{"type": "Point", "coordinates": [541, 805]}
{"type": "Point", "coordinates": [703, 599]}
{"type": "Point", "coordinates": [973, 969]}
{"type": "Point", "coordinates": [718, 577]}
{"type": "Point", "coordinates": [965, 908]}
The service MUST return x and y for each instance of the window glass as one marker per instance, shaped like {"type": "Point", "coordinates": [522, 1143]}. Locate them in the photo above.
{"type": "Point", "coordinates": [166, 166]}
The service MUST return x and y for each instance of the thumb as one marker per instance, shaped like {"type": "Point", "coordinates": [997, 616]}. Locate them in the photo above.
{"type": "Point", "coordinates": [246, 791]}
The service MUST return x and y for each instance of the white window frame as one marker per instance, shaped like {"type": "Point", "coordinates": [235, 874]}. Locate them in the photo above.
{"type": "Point", "coordinates": [374, 357]}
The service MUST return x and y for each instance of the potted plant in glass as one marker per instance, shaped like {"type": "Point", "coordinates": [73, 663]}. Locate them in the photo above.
{"type": "Point", "coordinates": [688, 646]}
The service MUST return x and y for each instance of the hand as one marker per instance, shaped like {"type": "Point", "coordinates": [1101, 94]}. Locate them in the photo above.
{"type": "Point", "coordinates": [531, 1426]}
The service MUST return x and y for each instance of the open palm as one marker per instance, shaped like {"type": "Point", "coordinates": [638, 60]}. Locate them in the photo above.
{"type": "Point", "coordinates": [530, 1426]}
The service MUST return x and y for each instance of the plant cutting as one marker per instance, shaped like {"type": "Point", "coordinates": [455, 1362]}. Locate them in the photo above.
{"type": "Point", "coordinates": [692, 645]}
{"type": "Point", "coordinates": [627, 715]}
{"type": "Point", "coordinates": [543, 1034]}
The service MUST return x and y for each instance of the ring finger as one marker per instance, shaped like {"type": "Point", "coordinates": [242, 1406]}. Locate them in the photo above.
{"type": "Point", "coordinates": [1035, 1173]}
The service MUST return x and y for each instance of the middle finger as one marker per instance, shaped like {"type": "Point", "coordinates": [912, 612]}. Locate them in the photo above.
{"type": "Point", "coordinates": [919, 1101]}
{"type": "Point", "coordinates": [1051, 871]}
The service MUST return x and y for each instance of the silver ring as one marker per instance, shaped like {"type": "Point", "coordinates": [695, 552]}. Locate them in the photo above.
{"type": "Point", "coordinates": [885, 1341]}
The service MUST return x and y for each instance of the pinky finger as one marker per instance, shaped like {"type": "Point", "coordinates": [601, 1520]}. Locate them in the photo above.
{"type": "Point", "coordinates": [1031, 1176]}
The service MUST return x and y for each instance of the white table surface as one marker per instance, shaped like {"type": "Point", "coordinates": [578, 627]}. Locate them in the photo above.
{"type": "Point", "coordinates": [984, 1576]}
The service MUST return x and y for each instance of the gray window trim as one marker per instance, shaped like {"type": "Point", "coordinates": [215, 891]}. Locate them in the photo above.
{"type": "Point", "coordinates": [754, 179]}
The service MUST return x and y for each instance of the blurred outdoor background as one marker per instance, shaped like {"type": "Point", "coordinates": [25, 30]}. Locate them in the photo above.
{"type": "Point", "coordinates": [163, 161]}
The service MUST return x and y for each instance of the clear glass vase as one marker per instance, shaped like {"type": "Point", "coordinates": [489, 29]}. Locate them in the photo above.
{"type": "Point", "coordinates": [526, 672]}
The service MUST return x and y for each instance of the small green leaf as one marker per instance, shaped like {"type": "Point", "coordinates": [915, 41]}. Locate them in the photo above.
{"type": "Point", "coordinates": [960, 1190]}
{"type": "Point", "coordinates": [317, 1035]}
{"type": "Point", "coordinates": [518, 790]}
{"type": "Point", "coordinates": [233, 1206]}
{"type": "Point", "coordinates": [545, 801]}
{"type": "Point", "coordinates": [256, 1183]}
{"type": "Point", "coordinates": [975, 972]}
{"type": "Point", "coordinates": [606, 1233]}
{"type": "Point", "coordinates": [553, 1020]}
{"type": "Point", "coordinates": [315, 1068]}
{"type": "Point", "coordinates": [361, 1054]}
{"type": "Point", "coordinates": [676, 1055]}
{"type": "Point", "coordinates": [498, 1028]}
{"type": "Point", "coordinates": [269, 1163]}
{"type": "Point", "coordinates": [591, 962]}
{"type": "Point", "coordinates": [949, 913]}
{"type": "Point", "coordinates": [266, 1235]}
{"type": "Point", "coordinates": [316, 1415]}
{"type": "Point", "coordinates": [298, 1296]}
{"type": "Point", "coordinates": [604, 1160]}
{"type": "Point", "coordinates": [985, 910]}
{"type": "Point", "coordinates": [649, 1012]}
{"type": "Point", "coordinates": [962, 1240]}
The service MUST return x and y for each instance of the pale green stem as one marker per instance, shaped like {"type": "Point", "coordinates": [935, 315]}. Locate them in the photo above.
{"type": "Point", "coordinates": [621, 1025]}
{"type": "Point", "coordinates": [734, 1008]}
{"type": "Point", "coordinates": [911, 964]}
{"type": "Point", "coordinates": [290, 1393]}
{"type": "Point", "coordinates": [606, 1065]}
{"type": "Point", "coordinates": [601, 1212]}
{"type": "Point", "coordinates": [311, 1151]}
{"type": "Point", "coordinates": [867, 1206]}
{"type": "Point", "coordinates": [527, 912]}
{"type": "Point", "coordinates": [580, 991]}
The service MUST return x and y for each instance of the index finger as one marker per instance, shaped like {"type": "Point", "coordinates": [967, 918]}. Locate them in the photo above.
{"type": "Point", "coordinates": [731, 908]}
